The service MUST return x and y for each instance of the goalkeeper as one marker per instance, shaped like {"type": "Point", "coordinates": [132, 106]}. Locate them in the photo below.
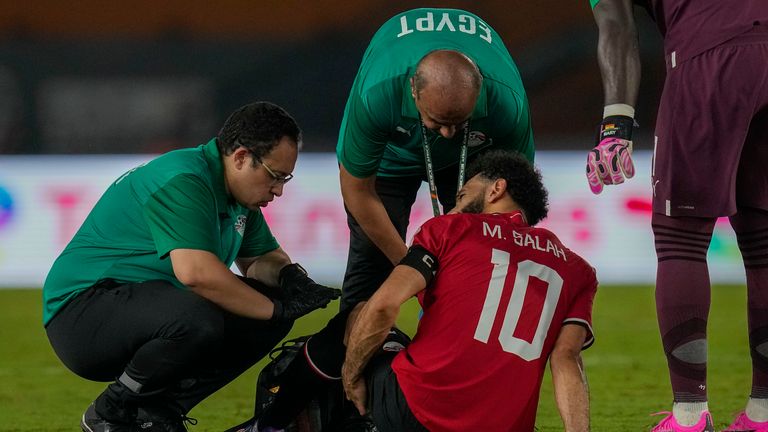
{"type": "Point", "coordinates": [709, 161]}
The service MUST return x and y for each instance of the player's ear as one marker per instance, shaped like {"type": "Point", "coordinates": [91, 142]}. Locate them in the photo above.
{"type": "Point", "coordinates": [413, 88]}
{"type": "Point", "coordinates": [497, 190]}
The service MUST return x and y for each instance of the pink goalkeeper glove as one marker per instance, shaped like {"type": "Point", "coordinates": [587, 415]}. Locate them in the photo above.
{"type": "Point", "coordinates": [610, 162]}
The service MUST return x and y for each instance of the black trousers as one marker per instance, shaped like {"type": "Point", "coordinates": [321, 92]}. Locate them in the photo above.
{"type": "Point", "coordinates": [167, 339]}
{"type": "Point", "coordinates": [388, 408]}
{"type": "Point", "coordinates": [367, 266]}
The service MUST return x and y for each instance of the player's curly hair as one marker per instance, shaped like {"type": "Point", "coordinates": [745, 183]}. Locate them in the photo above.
{"type": "Point", "coordinates": [258, 126]}
{"type": "Point", "coordinates": [523, 180]}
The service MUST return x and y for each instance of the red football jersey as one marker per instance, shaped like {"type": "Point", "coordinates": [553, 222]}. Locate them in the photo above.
{"type": "Point", "coordinates": [491, 317]}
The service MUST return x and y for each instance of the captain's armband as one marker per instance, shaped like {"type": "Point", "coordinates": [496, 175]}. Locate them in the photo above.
{"type": "Point", "coordinates": [422, 261]}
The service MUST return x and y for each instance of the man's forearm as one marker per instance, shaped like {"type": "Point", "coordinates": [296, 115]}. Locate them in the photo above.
{"type": "Point", "coordinates": [266, 268]}
{"type": "Point", "coordinates": [571, 392]}
{"type": "Point", "coordinates": [375, 222]}
{"type": "Point", "coordinates": [618, 52]}
{"type": "Point", "coordinates": [368, 334]}
{"type": "Point", "coordinates": [366, 207]}
{"type": "Point", "coordinates": [208, 277]}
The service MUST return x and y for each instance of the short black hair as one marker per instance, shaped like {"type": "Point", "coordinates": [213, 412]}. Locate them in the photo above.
{"type": "Point", "coordinates": [523, 180]}
{"type": "Point", "coordinates": [258, 126]}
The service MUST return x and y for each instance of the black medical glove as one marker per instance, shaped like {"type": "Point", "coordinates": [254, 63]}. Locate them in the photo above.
{"type": "Point", "coordinates": [298, 305]}
{"type": "Point", "coordinates": [294, 280]}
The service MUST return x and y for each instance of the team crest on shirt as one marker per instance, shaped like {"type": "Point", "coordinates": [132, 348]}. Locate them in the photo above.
{"type": "Point", "coordinates": [475, 139]}
{"type": "Point", "coordinates": [240, 225]}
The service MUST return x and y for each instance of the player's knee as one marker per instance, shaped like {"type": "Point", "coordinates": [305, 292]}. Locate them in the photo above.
{"type": "Point", "coordinates": [676, 236]}
{"type": "Point", "coordinates": [758, 345]}
{"type": "Point", "coordinates": [325, 350]}
{"type": "Point", "coordinates": [750, 226]}
{"type": "Point", "coordinates": [396, 341]}
{"type": "Point", "coordinates": [686, 348]}
{"type": "Point", "coordinates": [747, 220]}
{"type": "Point", "coordinates": [325, 359]}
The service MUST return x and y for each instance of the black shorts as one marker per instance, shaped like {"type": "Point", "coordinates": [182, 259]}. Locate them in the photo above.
{"type": "Point", "coordinates": [388, 408]}
{"type": "Point", "coordinates": [711, 144]}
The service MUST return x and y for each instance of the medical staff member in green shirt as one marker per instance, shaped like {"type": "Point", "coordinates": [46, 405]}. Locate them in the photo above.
{"type": "Point", "coordinates": [144, 295]}
{"type": "Point", "coordinates": [435, 88]}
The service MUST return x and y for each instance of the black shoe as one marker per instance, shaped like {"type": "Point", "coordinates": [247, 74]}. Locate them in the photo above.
{"type": "Point", "coordinates": [354, 422]}
{"type": "Point", "coordinates": [93, 422]}
{"type": "Point", "coordinates": [360, 425]}
{"type": "Point", "coordinates": [161, 419]}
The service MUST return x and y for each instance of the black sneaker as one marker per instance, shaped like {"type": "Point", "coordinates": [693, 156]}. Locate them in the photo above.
{"type": "Point", "coordinates": [354, 422]}
{"type": "Point", "coordinates": [93, 422]}
{"type": "Point", "coordinates": [161, 419]}
{"type": "Point", "coordinates": [361, 424]}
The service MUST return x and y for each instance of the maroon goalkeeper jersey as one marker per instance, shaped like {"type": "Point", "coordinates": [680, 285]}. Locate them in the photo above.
{"type": "Point", "coordinates": [691, 27]}
{"type": "Point", "coordinates": [492, 315]}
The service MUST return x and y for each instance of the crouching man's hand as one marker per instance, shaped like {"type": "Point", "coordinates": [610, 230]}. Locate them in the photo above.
{"type": "Point", "coordinates": [297, 305]}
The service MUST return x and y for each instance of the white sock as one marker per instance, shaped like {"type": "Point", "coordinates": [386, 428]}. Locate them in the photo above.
{"type": "Point", "coordinates": [688, 413]}
{"type": "Point", "coordinates": [757, 410]}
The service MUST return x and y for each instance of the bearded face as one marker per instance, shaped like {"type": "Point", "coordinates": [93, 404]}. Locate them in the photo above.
{"type": "Point", "coordinates": [471, 197]}
{"type": "Point", "coordinates": [474, 205]}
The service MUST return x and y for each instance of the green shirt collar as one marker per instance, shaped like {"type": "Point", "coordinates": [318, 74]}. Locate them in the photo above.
{"type": "Point", "coordinates": [216, 167]}
{"type": "Point", "coordinates": [409, 110]}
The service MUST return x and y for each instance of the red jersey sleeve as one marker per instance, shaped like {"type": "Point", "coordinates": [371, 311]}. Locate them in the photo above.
{"type": "Point", "coordinates": [432, 234]}
{"type": "Point", "coordinates": [580, 310]}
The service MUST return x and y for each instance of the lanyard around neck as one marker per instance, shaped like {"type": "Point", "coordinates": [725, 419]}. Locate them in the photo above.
{"type": "Point", "coordinates": [431, 170]}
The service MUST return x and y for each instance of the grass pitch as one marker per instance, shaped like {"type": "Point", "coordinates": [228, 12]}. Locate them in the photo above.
{"type": "Point", "coordinates": [626, 367]}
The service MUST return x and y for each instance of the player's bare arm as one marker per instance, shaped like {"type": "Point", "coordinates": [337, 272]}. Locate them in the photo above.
{"type": "Point", "coordinates": [208, 277]}
{"type": "Point", "coordinates": [366, 207]}
{"type": "Point", "coordinates": [265, 268]}
{"type": "Point", "coordinates": [617, 51]}
{"type": "Point", "coordinates": [569, 378]}
{"type": "Point", "coordinates": [610, 161]}
{"type": "Point", "coordinates": [372, 326]}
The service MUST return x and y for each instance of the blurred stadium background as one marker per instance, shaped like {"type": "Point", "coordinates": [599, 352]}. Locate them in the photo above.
{"type": "Point", "coordinates": [89, 89]}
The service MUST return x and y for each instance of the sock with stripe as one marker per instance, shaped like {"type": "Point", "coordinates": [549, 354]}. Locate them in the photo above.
{"type": "Point", "coordinates": [312, 372]}
{"type": "Point", "coordinates": [682, 301]}
{"type": "Point", "coordinates": [751, 227]}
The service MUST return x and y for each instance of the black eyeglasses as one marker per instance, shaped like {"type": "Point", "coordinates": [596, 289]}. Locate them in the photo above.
{"type": "Point", "coordinates": [276, 179]}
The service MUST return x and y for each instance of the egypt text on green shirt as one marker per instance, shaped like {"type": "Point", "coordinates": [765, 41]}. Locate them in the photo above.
{"type": "Point", "coordinates": [380, 132]}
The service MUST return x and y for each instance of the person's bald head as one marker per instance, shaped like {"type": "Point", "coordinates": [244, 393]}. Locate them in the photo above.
{"type": "Point", "coordinates": [445, 87]}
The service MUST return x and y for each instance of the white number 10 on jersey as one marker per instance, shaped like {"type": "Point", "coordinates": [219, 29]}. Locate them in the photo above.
{"type": "Point", "coordinates": [525, 269]}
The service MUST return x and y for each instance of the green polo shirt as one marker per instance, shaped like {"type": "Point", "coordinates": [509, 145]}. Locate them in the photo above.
{"type": "Point", "coordinates": [177, 201]}
{"type": "Point", "coordinates": [381, 133]}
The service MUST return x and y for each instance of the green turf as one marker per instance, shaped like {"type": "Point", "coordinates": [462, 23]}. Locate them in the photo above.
{"type": "Point", "coordinates": [625, 367]}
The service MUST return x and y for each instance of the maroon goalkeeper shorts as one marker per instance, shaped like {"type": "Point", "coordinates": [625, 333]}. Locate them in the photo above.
{"type": "Point", "coordinates": [711, 144]}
